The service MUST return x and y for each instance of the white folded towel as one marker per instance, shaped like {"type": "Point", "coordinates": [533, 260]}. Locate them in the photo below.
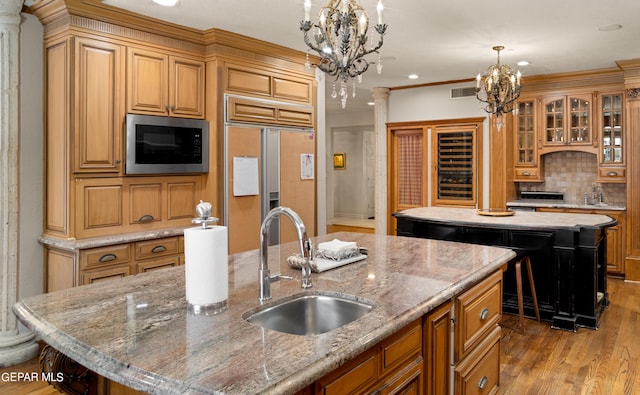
{"type": "Point", "coordinates": [337, 249]}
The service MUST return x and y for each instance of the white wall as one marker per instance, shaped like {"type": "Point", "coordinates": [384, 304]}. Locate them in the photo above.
{"type": "Point", "coordinates": [30, 260]}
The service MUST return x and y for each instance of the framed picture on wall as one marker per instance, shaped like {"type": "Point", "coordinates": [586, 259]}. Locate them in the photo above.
{"type": "Point", "coordinates": [340, 161]}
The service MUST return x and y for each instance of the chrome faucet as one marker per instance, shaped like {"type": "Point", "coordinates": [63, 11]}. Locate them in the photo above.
{"type": "Point", "coordinates": [306, 249]}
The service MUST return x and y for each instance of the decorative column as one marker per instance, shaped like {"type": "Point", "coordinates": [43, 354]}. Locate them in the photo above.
{"type": "Point", "coordinates": [15, 347]}
{"type": "Point", "coordinates": [381, 99]}
{"type": "Point", "coordinates": [631, 69]}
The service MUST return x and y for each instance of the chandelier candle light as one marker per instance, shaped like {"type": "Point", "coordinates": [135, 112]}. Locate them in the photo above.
{"type": "Point", "coordinates": [340, 38]}
{"type": "Point", "coordinates": [499, 88]}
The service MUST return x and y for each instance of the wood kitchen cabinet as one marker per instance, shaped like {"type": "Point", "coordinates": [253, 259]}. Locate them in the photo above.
{"type": "Point", "coordinates": [611, 155]}
{"type": "Point", "coordinates": [66, 269]}
{"type": "Point", "coordinates": [437, 350]}
{"type": "Point", "coordinates": [567, 121]}
{"type": "Point", "coordinates": [98, 70]}
{"type": "Point", "coordinates": [528, 164]}
{"type": "Point", "coordinates": [476, 351]}
{"type": "Point", "coordinates": [106, 206]}
{"type": "Point", "coordinates": [393, 366]}
{"type": "Point", "coordinates": [418, 358]}
{"type": "Point", "coordinates": [162, 84]}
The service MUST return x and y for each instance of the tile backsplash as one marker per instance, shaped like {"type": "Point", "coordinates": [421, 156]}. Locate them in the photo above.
{"type": "Point", "coordinates": [573, 173]}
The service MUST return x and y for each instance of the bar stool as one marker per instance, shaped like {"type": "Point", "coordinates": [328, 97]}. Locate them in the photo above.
{"type": "Point", "coordinates": [527, 263]}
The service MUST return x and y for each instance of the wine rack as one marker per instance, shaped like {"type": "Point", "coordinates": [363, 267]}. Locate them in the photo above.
{"type": "Point", "coordinates": [456, 165]}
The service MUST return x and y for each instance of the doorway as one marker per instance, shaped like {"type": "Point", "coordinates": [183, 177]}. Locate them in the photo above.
{"type": "Point", "coordinates": [351, 188]}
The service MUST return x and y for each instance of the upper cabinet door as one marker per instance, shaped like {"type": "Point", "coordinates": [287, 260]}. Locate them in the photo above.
{"type": "Point", "coordinates": [159, 84]}
{"type": "Point", "coordinates": [611, 129]}
{"type": "Point", "coordinates": [611, 156]}
{"type": "Point", "coordinates": [528, 166]}
{"type": "Point", "coordinates": [147, 82]}
{"type": "Point", "coordinates": [186, 87]}
{"type": "Point", "coordinates": [99, 73]}
{"type": "Point", "coordinates": [567, 120]}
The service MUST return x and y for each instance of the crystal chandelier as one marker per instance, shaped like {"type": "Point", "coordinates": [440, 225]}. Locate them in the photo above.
{"type": "Point", "coordinates": [340, 38]}
{"type": "Point", "coordinates": [499, 88]}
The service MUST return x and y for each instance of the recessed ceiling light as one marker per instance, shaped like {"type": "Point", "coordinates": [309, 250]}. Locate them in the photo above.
{"type": "Point", "coordinates": [167, 3]}
{"type": "Point", "coordinates": [413, 76]}
{"type": "Point", "coordinates": [610, 28]}
{"type": "Point", "coordinates": [371, 103]}
{"type": "Point", "coordinates": [523, 63]}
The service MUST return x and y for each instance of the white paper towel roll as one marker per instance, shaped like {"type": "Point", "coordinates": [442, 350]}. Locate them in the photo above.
{"type": "Point", "coordinates": [206, 270]}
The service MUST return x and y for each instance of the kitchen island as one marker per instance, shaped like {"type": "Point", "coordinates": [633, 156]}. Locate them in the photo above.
{"type": "Point", "coordinates": [137, 331]}
{"type": "Point", "coordinates": [567, 252]}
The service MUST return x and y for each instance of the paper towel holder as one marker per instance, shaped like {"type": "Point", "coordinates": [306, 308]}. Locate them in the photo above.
{"type": "Point", "coordinates": [204, 211]}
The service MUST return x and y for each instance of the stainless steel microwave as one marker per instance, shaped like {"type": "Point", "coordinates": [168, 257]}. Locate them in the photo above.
{"type": "Point", "coordinates": [159, 145]}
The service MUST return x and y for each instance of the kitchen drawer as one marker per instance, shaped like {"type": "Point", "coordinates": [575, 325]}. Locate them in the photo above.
{"type": "Point", "coordinates": [156, 248]}
{"type": "Point", "coordinates": [106, 274]}
{"type": "Point", "coordinates": [105, 256]}
{"type": "Point", "coordinates": [612, 174]}
{"type": "Point", "coordinates": [477, 311]}
{"type": "Point", "coordinates": [527, 173]}
{"type": "Point", "coordinates": [479, 373]}
{"type": "Point", "coordinates": [148, 265]}
{"type": "Point", "coordinates": [352, 377]}
{"type": "Point", "coordinates": [408, 381]}
{"type": "Point", "coordinates": [401, 347]}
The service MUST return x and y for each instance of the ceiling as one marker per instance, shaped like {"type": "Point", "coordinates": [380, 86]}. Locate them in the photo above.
{"type": "Point", "coordinates": [440, 41]}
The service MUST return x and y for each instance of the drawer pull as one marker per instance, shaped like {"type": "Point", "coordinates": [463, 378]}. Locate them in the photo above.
{"type": "Point", "coordinates": [483, 382]}
{"type": "Point", "coordinates": [157, 249]}
{"type": "Point", "coordinates": [526, 173]}
{"type": "Point", "coordinates": [612, 173]}
{"type": "Point", "coordinates": [146, 218]}
{"type": "Point", "coordinates": [107, 258]}
{"type": "Point", "coordinates": [484, 314]}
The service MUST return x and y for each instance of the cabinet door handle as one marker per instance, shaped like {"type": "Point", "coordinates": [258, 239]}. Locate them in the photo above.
{"type": "Point", "coordinates": [146, 218]}
{"type": "Point", "coordinates": [483, 382]}
{"type": "Point", "coordinates": [612, 173]}
{"type": "Point", "coordinates": [157, 249]}
{"type": "Point", "coordinates": [484, 314]}
{"type": "Point", "coordinates": [107, 258]}
{"type": "Point", "coordinates": [526, 173]}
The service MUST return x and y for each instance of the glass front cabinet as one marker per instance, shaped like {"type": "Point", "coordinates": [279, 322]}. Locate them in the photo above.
{"type": "Point", "coordinates": [528, 166]}
{"type": "Point", "coordinates": [611, 129]}
{"type": "Point", "coordinates": [567, 120]}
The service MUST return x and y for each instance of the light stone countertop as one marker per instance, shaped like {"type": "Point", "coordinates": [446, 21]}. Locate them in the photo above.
{"type": "Point", "coordinates": [92, 242]}
{"type": "Point", "coordinates": [563, 204]}
{"type": "Point", "coordinates": [137, 330]}
{"type": "Point", "coordinates": [520, 220]}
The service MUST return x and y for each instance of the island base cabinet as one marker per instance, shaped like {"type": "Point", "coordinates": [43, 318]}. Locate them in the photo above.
{"type": "Point", "coordinates": [479, 372]}
{"type": "Point", "coordinates": [437, 347]}
{"type": "Point", "coordinates": [394, 366]}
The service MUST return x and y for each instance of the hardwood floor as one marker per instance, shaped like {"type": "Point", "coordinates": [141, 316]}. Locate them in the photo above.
{"type": "Point", "coordinates": [548, 361]}
{"type": "Point", "coordinates": [542, 361]}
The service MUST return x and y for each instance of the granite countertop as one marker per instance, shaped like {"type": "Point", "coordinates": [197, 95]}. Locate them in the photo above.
{"type": "Point", "coordinates": [520, 219]}
{"type": "Point", "coordinates": [92, 242]}
{"type": "Point", "coordinates": [137, 330]}
{"type": "Point", "coordinates": [563, 204]}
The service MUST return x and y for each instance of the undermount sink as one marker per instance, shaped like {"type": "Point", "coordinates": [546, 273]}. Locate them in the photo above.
{"type": "Point", "coordinates": [309, 314]}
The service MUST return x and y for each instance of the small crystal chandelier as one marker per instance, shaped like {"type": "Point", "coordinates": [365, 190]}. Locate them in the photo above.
{"type": "Point", "coordinates": [340, 37]}
{"type": "Point", "coordinates": [499, 88]}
